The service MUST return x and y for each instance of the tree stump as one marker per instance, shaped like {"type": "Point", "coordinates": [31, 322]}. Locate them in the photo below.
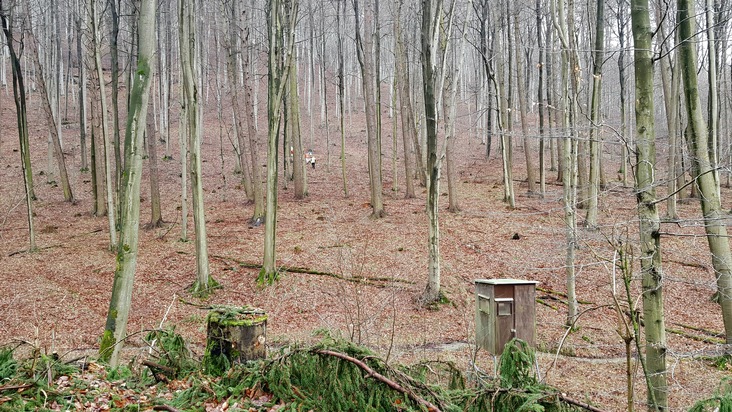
{"type": "Point", "coordinates": [234, 335]}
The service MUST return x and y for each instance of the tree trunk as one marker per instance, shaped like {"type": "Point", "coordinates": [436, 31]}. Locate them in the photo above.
{"type": "Point", "coordinates": [48, 110]}
{"type": "Point", "coordinates": [540, 100]}
{"type": "Point", "coordinates": [156, 216]}
{"type": "Point", "coordinates": [96, 40]}
{"type": "Point", "coordinates": [429, 26]}
{"type": "Point", "coordinates": [119, 304]}
{"type": "Point", "coordinates": [275, 88]}
{"type": "Point", "coordinates": [703, 167]}
{"type": "Point", "coordinates": [521, 85]}
{"type": "Point", "coordinates": [341, 94]}
{"type": "Point", "coordinates": [650, 240]}
{"type": "Point", "coordinates": [113, 6]}
{"type": "Point", "coordinates": [258, 215]}
{"type": "Point", "coordinates": [292, 99]}
{"type": "Point", "coordinates": [82, 87]}
{"type": "Point", "coordinates": [405, 105]}
{"type": "Point", "coordinates": [595, 118]}
{"type": "Point", "coordinates": [21, 112]}
{"type": "Point", "coordinates": [191, 94]}
{"type": "Point", "coordinates": [366, 59]}
{"type": "Point", "coordinates": [670, 84]}
{"type": "Point", "coordinates": [569, 156]}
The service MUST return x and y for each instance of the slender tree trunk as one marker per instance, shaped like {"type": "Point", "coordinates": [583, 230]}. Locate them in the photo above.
{"type": "Point", "coordinates": [650, 240]}
{"type": "Point", "coordinates": [670, 83]}
{"type": "Point", "coordinates": [191, 93]}
{"type": "Point", "coordinates": [406, 113]}
{"type": "Point", "coordinates": [249, 104]}
{"type": "Point", "coordinates": [292, 99]}
{"type": "Point", "coordinates": [366, 58]}
{"type": "Point", "coordinates": [48, 110]}
{"type": "Point", "coordinates": [429, 26]}
{"type": "Point", "coordinates": [110, 209]}
{"type": "Point", "coordinates": [119, 304]}
{"type": "Point", "coordinates": [275, 89]}
{"type": "Point", "coordinates": [569, 156]}
{"type": "Point", "coordinates": [113, 6]}
{"type": "Point", "coordinates": [540, 100]}
{"type": "Point", "coordinates": [703, 167]}
{"type": "Point", "coordinates": [595, 118]}
{"type": "Point", "coordinates": [156, 215]}
{"type": "Point", "coordinates": [21, 113]}
{"type": "Point", "coordinates": [82, 87]}
{"type": "Point", "coordinates": [521, 85]}
{"type": "Point", "coordinates": [341, 93]}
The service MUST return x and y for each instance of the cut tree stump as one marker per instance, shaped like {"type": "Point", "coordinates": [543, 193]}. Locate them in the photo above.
{"type": "Point", "coordinates": [234, 335]}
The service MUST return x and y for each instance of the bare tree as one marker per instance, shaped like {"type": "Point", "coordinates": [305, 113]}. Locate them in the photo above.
{"type": "Point", "coordinates": [650, 240]}
{"type": "Point", "coordinates": [191, 93]}
{"type": "Point", "coordinates": [119, 304]}
{"type": "Point", "coordinates": [21, 111]}
{"type": "Point", "coordinates": [367, 53]}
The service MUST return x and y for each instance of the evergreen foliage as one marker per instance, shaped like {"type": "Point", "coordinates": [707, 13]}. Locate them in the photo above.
{"type": "Point", "coordinates": [329, 376]}
{"type": "Point", "coordinates": [8, 365]}
{"type": "Point", "coordinates": [720, 402]}
{"type": "Point", "coordinates": [172, 350]}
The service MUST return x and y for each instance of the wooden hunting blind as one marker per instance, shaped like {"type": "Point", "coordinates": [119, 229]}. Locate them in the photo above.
{"type": "Point", "coordinates": [504, 309]}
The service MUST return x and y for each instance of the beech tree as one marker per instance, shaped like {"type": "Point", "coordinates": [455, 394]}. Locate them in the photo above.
{"type": "Point", "coordinates": [278, 61]}
{"type": "Point", "coordinates": [21, 112]}
{"type": "Point", "coordinates": [703, 166]}
{"type": "Point", "coordinates": [191, 94]}
{"type": "Point", "coordinates": [650, 239]}
{"type": "Point", "coordinates": [367, 53]}
{"type": "Point", "coordinates": [124, 275]}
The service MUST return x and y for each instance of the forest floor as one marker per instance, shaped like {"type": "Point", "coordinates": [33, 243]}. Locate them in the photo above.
{"type": "Point", "coordinates": [56, 299]}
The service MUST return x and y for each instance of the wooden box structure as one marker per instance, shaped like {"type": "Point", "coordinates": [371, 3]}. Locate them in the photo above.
{"type": "Point", "coordinates": [504, 309]}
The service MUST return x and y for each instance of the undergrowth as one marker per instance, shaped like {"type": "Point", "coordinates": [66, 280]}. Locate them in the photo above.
{"type": "Point", "coordinates": [333, 375]}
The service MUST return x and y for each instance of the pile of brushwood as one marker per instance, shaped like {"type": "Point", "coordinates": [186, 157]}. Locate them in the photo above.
{"type": "Point", "coordinates": [333, 375]}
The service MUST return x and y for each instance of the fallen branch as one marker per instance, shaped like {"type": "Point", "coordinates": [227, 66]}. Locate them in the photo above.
{"type": "Point", "coordinates": [562, 294]}
{"type": "Point", "coordinates": [15, 387]}
{"type": "Point", "coordinates": [707, 332]}
{"type": "Point", "coordinates": [579, 404]}
{"type": "Point", "coordinates": [160, 372]}
{"type": "Point", "coordinates": [381, 378]}
{"type": "Point", "coordinates": [165, 408]}
{"type": "Point", "coordinates": [373, 281]}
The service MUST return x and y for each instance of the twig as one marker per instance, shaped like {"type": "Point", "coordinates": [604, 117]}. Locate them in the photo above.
{"type": "Point", "coordinates": [381, 378]}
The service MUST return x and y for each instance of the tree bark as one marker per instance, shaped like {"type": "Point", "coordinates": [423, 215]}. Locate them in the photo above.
{"type": "Point", "coordinates": [595, 118]}
{"type": "Point", "coordinates": [429, 26]}
{"type": "Point", "coordinates": [119, 304]}
{"type": "Point", "coordinates": [110, 208]}
{"type": "Point", "coordinates": [703, 167]}
{"type": "Point", "coordinates": [21, 112]}
{"type": "Point", "coordinates": [650, 238]}
{"type": "Point", "coordinates": [366, 59]}
{"type": "Point", "coordinates": [406, 113]}
{"type": "Point", "coordinates": [156, 215]}
{"type": "Point", "coordinates": [191, 94]}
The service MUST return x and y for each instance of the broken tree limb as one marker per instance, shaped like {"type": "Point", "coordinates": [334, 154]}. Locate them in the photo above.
{"type": "Point", "coordinates": [579, 404]}
{"type": "Point", "coordinates": [373, 281]}
{"type": "Point", "coordinates": [381, 378]}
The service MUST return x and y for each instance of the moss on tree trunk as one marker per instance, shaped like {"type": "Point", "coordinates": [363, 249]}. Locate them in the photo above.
{"type": "Point", "coordinates": [234, 335]}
